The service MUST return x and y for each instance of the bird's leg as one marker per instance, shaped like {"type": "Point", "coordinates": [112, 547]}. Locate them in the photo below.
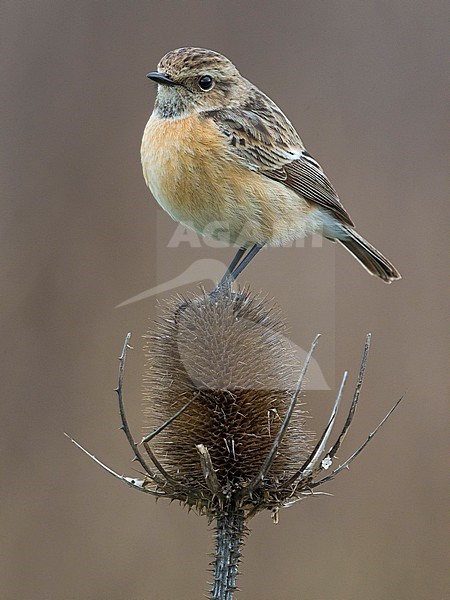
{"type": "Point", "coordinates": [246, 260]}
{"type": "Point", "coordinates": [228, 273]}
{"type": "Point", "coordinates": [236, 267]}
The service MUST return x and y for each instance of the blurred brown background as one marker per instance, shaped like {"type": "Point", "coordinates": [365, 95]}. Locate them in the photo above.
{"type": "Point", "coordinates": [364, 84]}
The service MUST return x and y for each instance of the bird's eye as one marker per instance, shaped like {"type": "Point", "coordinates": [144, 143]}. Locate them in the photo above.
{"type": "Point", "coordinates": [205, 82]}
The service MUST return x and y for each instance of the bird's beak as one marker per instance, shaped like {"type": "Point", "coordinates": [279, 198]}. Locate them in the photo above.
{"type": "Point", "coordinates": [161, 78]}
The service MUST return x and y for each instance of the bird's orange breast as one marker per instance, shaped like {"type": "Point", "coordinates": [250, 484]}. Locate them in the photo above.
{"type": "Point", "coordinates": [195, 176]}
{"type": "Point", "coordinates": [184, 162]}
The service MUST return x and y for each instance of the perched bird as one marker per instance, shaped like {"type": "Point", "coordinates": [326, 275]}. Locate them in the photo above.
{"type": "Point", "coordinates": [220, 157]}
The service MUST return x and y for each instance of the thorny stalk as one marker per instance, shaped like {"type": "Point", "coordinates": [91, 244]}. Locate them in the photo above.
{"type": "Point", "coordinates": [229, 534]}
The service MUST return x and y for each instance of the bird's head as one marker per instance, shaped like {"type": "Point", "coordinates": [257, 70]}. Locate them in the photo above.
{"type": "Point", "coordinates": [192, 80]}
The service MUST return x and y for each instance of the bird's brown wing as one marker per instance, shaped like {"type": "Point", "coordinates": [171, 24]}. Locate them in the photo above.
{"type": "Point", "coordinates": [306, 177]}
{"type": "Point", "coordinates": [264, 140]}
{"type": "Point", "coordinates": [258, 142]}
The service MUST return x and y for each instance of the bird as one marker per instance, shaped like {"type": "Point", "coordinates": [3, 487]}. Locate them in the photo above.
{"type": "Point", "coordinates": [223, 159]}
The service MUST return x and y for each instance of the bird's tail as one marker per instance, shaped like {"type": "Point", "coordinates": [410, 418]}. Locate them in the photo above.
{"type": "Point", "coordinates": [370, 258]}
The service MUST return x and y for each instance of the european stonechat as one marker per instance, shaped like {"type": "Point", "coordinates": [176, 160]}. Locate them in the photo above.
{"type": "Point", "coordinates": [217, 150]}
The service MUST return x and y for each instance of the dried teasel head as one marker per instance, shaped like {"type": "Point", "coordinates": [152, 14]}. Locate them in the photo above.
{"type": "Point", "coordinates": [225, 357]}
{"type": "Point", "coordinates": [222, 406]}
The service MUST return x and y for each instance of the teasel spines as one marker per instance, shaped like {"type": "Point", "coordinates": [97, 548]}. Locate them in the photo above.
{"type": "Point", "coordinates": [228, 356]}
